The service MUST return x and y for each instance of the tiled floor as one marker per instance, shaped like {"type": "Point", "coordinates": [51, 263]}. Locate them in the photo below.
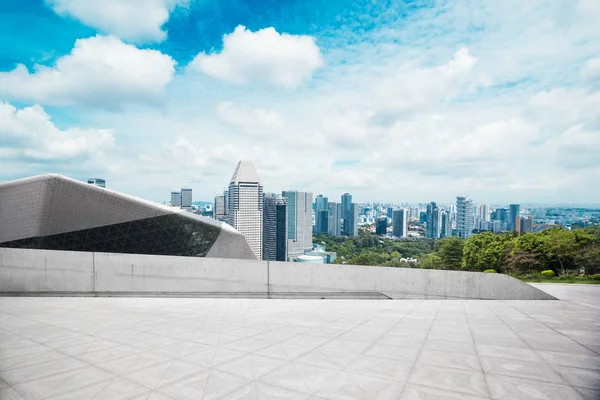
{"type": "Point", "coordinates": [165, 348]}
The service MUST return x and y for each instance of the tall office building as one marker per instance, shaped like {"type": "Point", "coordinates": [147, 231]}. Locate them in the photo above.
{"type": "Point", "coordinates": [219, 209]}
{"type": "Point", "coordinates": [275, 227]}
{"type": "Point", "coordinates": [351, 221]}
{"type": "Point", "coordinates": [97, 181]}
{"type": "Point", "coordinates": [334, 225]}
{"type": "Point", "coordinates": [400, 223]}
{"type": "Point", "coordinates": [446, 225]}
{"type": "Point", "coordinates": [485, 212]}
{"type": "Point", "coordinates": [381, 225]}
{"type": "Point", "coordinates": [186, 199]}
{"type": "Point", "coordinates": [501, 214]}
{"type": "Point", "coordinates": [246, 205]}
{"type": "Point", "coordinates": [390, 212]}
{"type": "Point", "coordinates": [526, 224]}
{"type": "Point", "coordinates": [226, 199]}
{"type": "Point", "coordinates": [346, 204]}
{"type": "Point", "coordinates": [464, 216]}
{"type": "Point", "coordinates": [299, 222]}
{"type": "Point", "coordinates": [321, 215]}
{"type": "Point", "coordinates": [322, 222]}
{"type": "Point", "coordinates": [175, 199]}
{"type": "Point", "coordinates": [433, 221]}
{"type": "Point", "coordinates": [515, 212]}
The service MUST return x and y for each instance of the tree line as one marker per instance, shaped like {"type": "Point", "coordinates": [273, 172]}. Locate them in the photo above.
{"type": "Point", "coordinates": [557, 249]}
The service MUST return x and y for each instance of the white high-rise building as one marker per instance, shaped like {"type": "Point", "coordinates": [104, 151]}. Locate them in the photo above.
{"type": "Point", "coordinates": [464, 216]}
{"type": "Point", "coordinates": [186, 199]}
{"type": "Point", "coordinates": [175, 199]}
{"type": "Point", "coordinates": [299, 222]}
{"type": "Point", "coordinates": [246, 205]}
{"type": "Point", "coordinates": [219, 209]}
{"type": "Point", "coordinates": [400, 222]}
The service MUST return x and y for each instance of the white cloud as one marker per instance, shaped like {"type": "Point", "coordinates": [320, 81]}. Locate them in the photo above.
{"type": "Point", "coordinates": [100, 71]}
{"type": "Point", "coordinates": [255, 122]}
{"type": "Point", "coordinates": [263, 56]}
{"type": "Point", "coordinates": [132, 20]}
{"type": "Point", "coordinates": [414, 88]}
{"type": "Point", "coordinates": [28, 135]}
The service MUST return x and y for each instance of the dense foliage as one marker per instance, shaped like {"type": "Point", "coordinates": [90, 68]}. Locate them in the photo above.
{"type": "Point", "coordinates": [370, 249]}
{"type": "Point", "coordinates": [558, 250]}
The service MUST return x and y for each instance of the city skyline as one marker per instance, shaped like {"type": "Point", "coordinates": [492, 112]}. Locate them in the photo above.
{"type": "Point", "coordinates": [427, 101]}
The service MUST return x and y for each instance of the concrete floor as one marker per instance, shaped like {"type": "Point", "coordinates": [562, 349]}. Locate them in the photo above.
{"type": "Point", "coordinates": [166, 348]}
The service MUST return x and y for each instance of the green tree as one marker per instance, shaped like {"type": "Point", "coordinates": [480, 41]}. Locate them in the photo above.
{"type": "Point", "coordinates": [486, 250]}
{"type": "Point", "coordinates": [589, 259]}
{"type": "Point", "coordinates": [431, 261]}
{"type": "Point", "coordinates": [520, 262]}
{"type": "Point", "coordinates": [450, 251]}
{"type": "Point", "coordinates": [560, 247]}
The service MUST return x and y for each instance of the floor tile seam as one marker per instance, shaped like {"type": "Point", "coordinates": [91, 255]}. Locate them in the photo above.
{"type": "Point", "coordinates": [451, 367]}
{"type": "Point", "coordinates": [69, 330]}
{"type": "Point", "coordinates": [395, 325]}
{"type": "Point", "coordinates": [568, 385]}
{"type": "Point", "coordinates": [549, 327]}
{"type": "Point", "coordinates": [283, 387]}
{"type": "Point", "coordinates": [108, 381]}
{"type": "Point", "coordinates": [125, 398]}
{"type": "Point", "coordinates": [478, 356]}
{"type": "Point", "coordinates": [87, 365]}
{"type": "Point", "coordinates": [542, 358]}
{"type": "Point", "coordinates": [412, 369]}
{"type": "Point", "coordinates": [49, 376]}
{"type": "Point", "coordinates": [532, 349]}
{"type": "Point", "coordinates": [21, 356]}
{"type": "Point", "coordinates": [163, 375]}
{"type": "Point", "coordinates": [408, 382]}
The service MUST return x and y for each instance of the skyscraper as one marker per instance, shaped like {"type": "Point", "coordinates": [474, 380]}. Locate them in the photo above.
{"type": "Point", "coordinates": [219, 209]}
{"type": "Point", "coordinates": [321, 215]}
{"type": "Point", "coordinates": [526, 224]}
{"type": "Point", "coordinates": [464, 216]}
{"type": "Point", "coordinates": [299, 222]}
{"type": "Point", "coordinates": [226, 197]}
{"type": "Point", "coordinates": [346, 202]}
{"type": "Point", "coordinates": [246, 205]}
{"type": "Point", "coordinates": [381, 225]}
{"type": "Point", "coordinates": [390, 212]}
{"type": "Point", "coordinates": [446, 225]}
{"type": "Point", "coordinates": [501, 214]}
{"type": "Point", "coordinates": [485, 212]}
{"type": "Point", "coordinates": [335, 219]}
{"type": "Point", "coordinates": [322, 223]}
{"type": "Point", "coordinates": [515, 212]}
{"type": "Point", "coordinates": [186, 199]}
{"type": "Point", "coordinates": [433, 221]}
{"type": "Point", "coordinates": [275, 226]}
{"type": "Point", "coordinates": [175, 199]}
{"type": "Point", "coordinates": [351, 221]}
{"type": "Point", "coordinates": [400, 222]}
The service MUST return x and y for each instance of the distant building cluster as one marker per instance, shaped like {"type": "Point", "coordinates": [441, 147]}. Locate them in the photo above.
{"type": "Point", "coordinates": [280, 226]}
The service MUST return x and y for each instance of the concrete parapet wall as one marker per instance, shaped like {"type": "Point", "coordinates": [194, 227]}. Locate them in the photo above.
{"type": "Point", "coordinates": [39, 272]}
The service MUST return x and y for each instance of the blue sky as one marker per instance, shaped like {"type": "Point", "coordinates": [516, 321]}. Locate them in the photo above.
{"type": "Point", "coordinates": [389, 100]}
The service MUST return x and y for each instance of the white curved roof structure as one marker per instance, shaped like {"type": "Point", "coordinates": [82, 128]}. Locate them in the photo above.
{"type": "Point", "coordinates": [55, 212]}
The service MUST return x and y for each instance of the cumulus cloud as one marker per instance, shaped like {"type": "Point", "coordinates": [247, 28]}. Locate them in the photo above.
{"type": "Point", "coordinates": [413, 88]}
{"type": "Point", "coordinates": [100, 71]}
{"type": "Point", "coordinates": [29, 135]}
{"type": "Point", "coordinates": [132, 20]}
{"type": "Point", "coordinates": [256, 121]}
{"type": "Point", "coordinates": [263, 56]}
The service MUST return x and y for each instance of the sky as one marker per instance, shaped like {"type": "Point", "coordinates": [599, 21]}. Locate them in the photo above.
{"type": "Point", "coordinates": [391, 101]}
